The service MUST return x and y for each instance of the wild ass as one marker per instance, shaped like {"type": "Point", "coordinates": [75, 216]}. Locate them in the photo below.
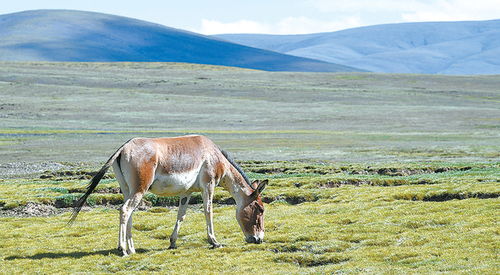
{"type": "Point", "coordinates": [180, 166]}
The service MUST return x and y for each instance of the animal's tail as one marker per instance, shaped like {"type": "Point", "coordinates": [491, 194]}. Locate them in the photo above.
{"type": "Point", "coordinates": [93, 183]}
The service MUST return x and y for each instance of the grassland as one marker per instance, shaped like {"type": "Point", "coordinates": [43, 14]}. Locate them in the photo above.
{"type": "Point", "coordinates": [319, 219]}
{"type": "Point", "coordinates": [369, 173]}
{"type": "Point", "coordinates": [71, 112]}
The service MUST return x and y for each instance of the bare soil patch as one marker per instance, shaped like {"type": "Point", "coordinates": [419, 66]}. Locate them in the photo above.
{"type": "Point", "coordinates": [32, 209]}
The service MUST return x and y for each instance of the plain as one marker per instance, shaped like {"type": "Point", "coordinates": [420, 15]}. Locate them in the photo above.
{"type": "Point", "coordinates": [369, 173]}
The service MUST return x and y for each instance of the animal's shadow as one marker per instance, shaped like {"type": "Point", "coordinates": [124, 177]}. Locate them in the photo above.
{"type": "Point", "coordinates": [76, 254]}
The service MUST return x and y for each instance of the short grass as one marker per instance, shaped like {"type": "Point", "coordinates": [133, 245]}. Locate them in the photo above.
{"type": "Point", "coordinates": [81, 112]}
{"type": "Point", "coordinates": [369, 173]}
{"type": "Point", "coordinates": [320, 218]}
{"type": "Point", "coordinates": [355, 236]}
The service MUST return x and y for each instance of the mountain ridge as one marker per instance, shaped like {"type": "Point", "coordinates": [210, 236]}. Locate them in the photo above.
{"type": "Point", "coordinates": [70, 35]}
{"type": "Point", "coordinates": [462, 47]}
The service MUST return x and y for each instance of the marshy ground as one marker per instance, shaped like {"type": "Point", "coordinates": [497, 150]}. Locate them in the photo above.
{"type": "Point", "coordinates": [369, 173]}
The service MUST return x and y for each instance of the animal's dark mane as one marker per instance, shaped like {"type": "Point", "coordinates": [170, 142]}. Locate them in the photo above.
{"type": "Point", "coordinates": [237, 167]}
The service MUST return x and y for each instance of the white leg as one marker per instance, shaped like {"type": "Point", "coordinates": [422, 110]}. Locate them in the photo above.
{"type": "Point", "coordinates": [208, 194]}
{"type": "Point", "coordinates": [121, 235]}
{"type": "Point", "coordinates": [181, 214]}
{"type": "Point", "coordinates": [130, 242]}
{"type": "Point", "coordinates": [126, 195]}
{"type": "Point", "coordinates": [126, 223]}
{"type": "Point", "coordinates": [122, 243]}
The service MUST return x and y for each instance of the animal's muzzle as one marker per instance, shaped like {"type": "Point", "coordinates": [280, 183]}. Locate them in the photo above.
{"type": "Point", "coordinates": [253, 239]}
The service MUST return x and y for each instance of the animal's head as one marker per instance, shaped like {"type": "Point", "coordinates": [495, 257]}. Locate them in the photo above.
{"type": "Point", "coordinates": [250, 214]}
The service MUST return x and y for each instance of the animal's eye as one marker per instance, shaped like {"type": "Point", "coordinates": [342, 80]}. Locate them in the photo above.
{"type": "Point", "coordinates": [260, 207]}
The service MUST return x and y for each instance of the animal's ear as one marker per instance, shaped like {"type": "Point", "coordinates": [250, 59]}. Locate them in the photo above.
{"type": "Point", "coordinates": [260, 187]}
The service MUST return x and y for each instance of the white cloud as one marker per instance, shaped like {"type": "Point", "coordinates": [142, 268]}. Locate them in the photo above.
{"type": "Point", "coordinates": [455, 10]}
{"type": "Point", "coordinates": [343, 14]}
{"type": "Point", "coordinates": [288, 25]}
{"type": "Point", "coordinates": [240, 26]}
{"type": "Point", "coordinates": [412, 10]}
{"type": "Point", "coordinates": [364, 6]}
{"type": "Point", "coordinates": [302, 24]}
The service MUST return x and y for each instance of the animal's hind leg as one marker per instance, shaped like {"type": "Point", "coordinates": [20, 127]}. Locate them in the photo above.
{"type": "Point", "coordinates": [183, 204]}
{"type": "Point", "coordinates": [122, 233]}
{"type": "Point", "coordinates": [130, 242]}
{"type": "Point", "coordinates": [126, 195]}
{"type": "Point", "coordinates": [139, 178]}
{"type": "Point", "coordinates": [126, 243]}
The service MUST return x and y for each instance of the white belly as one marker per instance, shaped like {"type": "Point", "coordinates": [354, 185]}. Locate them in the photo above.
{"type": "Point", "coordinates": [176, 184]}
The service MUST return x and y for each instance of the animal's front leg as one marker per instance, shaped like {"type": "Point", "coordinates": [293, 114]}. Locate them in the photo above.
{"type": "Point", "coordinates": [208, 194]}
{"type": "Point", "coordinates": [183, 204]}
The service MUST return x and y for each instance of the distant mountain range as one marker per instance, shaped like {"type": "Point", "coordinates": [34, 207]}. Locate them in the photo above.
{"type": "Point", "coordinates": [64, 35]}
{"type": "Point", "coordinates": [471, 47]}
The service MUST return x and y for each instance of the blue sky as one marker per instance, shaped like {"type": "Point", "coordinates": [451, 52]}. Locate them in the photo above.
{"type": "Point", "coordinates": [274, 16]}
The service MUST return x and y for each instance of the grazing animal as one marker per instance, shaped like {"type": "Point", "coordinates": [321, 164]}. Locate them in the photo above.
{"type": "Point", "coordinates": [180, 166]}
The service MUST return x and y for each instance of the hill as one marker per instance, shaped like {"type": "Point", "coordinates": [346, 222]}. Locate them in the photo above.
{"type": "Point", "coordinates": [64, 35]}
{"type": "Point", "coordinates": [470, 47]}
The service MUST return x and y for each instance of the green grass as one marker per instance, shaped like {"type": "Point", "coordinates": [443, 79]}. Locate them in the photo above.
{"type": "Point", "coordinates": [369, 173]}
{"type": "Point", "coordinates": [398, 218]}
{"type": "Point", "coordinates": [459, 236]}
{"type": "Point", "coordinates": [90, 109]}
{"type": "Point", "coordinates": [293, 182]}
